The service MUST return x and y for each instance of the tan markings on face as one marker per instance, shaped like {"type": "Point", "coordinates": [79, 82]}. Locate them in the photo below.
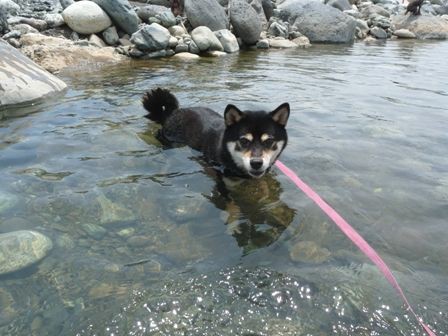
{"type": "Point", "coordinates": [247, 154]}
{"type": "Point", "coordinates": [265, 137]}
{"type": "Point", "coordinates": [248, 136]}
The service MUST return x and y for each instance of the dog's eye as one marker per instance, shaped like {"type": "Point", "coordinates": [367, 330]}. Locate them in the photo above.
{"type": "Point", "coordinates": [268, 143]}
{"type": "Point", "coordinates": [244, 142]}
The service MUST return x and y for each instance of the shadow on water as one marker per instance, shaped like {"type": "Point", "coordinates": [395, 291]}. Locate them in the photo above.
{"type": "Point", "coordinates": [253, 212]}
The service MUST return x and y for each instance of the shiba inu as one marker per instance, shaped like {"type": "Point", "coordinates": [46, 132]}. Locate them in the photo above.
{"type": "Point", "coordinates": [244, 143]}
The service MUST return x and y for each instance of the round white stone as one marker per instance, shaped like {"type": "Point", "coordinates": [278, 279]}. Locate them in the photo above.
{"type": "Point", "coordinates": [86, 17]}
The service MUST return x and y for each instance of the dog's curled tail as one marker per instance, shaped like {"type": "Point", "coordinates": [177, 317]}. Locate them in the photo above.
{"type": "Point", "coordinates": [159, 103]}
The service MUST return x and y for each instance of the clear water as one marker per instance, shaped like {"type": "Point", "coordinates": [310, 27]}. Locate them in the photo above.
{"type": "Point", "coordinates": [145, 243]}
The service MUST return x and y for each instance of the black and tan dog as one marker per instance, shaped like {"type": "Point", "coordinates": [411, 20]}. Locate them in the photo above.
{"type": "Point", "coordinates": [244, 143]}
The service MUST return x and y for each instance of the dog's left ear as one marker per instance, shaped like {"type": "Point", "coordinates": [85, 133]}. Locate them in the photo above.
{"type": "Point", "coordinates": [281, 114]}
{"type": "Point", "coordinates": [232, 115]}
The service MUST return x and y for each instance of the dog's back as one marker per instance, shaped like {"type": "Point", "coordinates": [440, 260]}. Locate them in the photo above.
{"type": "Point", "coordinates": [198, 127]}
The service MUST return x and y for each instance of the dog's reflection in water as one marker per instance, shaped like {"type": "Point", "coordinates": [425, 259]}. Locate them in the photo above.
{"type": "Point", "coordinates": [254, 213]}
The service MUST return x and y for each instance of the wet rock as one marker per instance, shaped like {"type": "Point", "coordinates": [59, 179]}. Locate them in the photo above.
{"type": "Point", "coordinates": [22, 81]}
{"type": "Point", "coordinates": [65, 241]}
{"type": "Point", "coordinates": [318, 22]}
{"type": "Point", "coordinates": [280, 42]}
{"type": "Point", "coordinates": [245, 21]}
{"type": "Point", "coordinates": [139, 241]}
{"type": "Point", "coordinates": [94, 231]}
{"type": "Point", "coordinates": [181, 48]}
{"type": "Point", "coordinates": [151, 37]}
{"type": "Point", "coordinates": [112, 212]}
{"type": "Point", "coordinates": [7, 312]}
{"type": "Point", "coordinates": [14, 224]}
{"type": "Point", "coordinates": [186, 56]}
{"type": "Point", "coordinates": [302, 42]}
{"type": "Point", "coordinates": [205, 39]}
{"type": "Point", "coordinates": [309, 252]}
{"type": "Point", "coordinates": [55, 53]}
{"type": "Point", "coordinates": [86, 17]}
{"type": "Point", "coordinates": [7, 200]}
{"type": "Point", "coordinates": [121, 13]}
{"type": "Point", "coordinates": [263, 44]}
{"type": "Point", "coordinates": [378, 32]}
{"type": "Point", "coordinates": [404, 33]}
{"type": "Point", "coordinates": [227, 40]}
{"type": "Point", "coordinates": [207, 13]}
{"type": "Point", "coordinates": [110, 36]}
{"type": "Point", "coordinates": [423, 26]}
{"type": "Point", "coordinates": [20, 249]}
{"type": "Point", "coordinates": [105, 290]}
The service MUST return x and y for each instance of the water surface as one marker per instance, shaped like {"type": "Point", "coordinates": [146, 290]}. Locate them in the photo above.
{"type": "Point", "coordinates": [146, 242]}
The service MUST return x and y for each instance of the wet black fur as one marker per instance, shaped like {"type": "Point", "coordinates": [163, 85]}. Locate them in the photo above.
{"type": "Point", "coordinates": [414, 7]}
{"type": "Point", "coordinates": [204, 129]}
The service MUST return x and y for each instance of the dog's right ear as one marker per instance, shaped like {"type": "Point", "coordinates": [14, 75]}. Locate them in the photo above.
{"type": "Point", "coordinates": [232, 115]}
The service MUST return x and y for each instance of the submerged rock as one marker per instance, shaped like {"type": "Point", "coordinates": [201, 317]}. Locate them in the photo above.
{"type": "Point", "coordinates": [7, 200]}
{"type": "Point", "coordinates": [23, 81]}
{"type": "Point", "coordinates": [309, 251]}
{"type": "Point", "coordinates": [20, 249]}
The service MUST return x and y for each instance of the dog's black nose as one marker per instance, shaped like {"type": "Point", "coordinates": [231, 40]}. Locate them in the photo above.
{"type": "Point", "coordinates": [256, 163]}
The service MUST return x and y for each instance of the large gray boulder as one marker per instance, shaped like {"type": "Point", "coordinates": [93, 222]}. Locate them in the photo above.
{"type": "Point", "coordinates": [318, 22]}
{"type": "Point", "coordinates": [151, 37]}
{"type": "Point", "coordinates": [207, 13]}
{"type": "Point", "coordinates": [20, 249]}
{"type": "Point", "coordinates": [245, 21]}
{"type": "Point", "coordinates": [121, 13]}
{"type": "Point", "coordinates": [86, 17]}
{"type": "Point", "coordinates": [423, 26]}
{"type": "Point", "coordinates": [23, 81]}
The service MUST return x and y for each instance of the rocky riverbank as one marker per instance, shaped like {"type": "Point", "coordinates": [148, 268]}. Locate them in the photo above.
{"type": "Point", "coordinates": [61, 33]}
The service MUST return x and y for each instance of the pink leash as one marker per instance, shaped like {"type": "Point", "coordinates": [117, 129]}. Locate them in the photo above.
{"type": "Point", "coordinates": [354, 236]}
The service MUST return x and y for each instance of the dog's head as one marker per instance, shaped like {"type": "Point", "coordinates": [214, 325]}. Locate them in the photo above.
{"type": "Point", "coordinates": [255, 139]}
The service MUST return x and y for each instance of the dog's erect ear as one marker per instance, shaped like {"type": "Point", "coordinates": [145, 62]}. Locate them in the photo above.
{"type": "Point", "coordinates": [281, 114]}
{"type": "Point", "coordinates": [232, 115]}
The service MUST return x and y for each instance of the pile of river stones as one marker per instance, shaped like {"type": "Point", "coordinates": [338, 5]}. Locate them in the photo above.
{"type": "Point", "coordinates": [149, 29]}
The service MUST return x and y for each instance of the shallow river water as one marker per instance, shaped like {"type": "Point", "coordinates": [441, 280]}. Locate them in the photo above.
{"type": "Point", "coordinates": [145, 242]}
